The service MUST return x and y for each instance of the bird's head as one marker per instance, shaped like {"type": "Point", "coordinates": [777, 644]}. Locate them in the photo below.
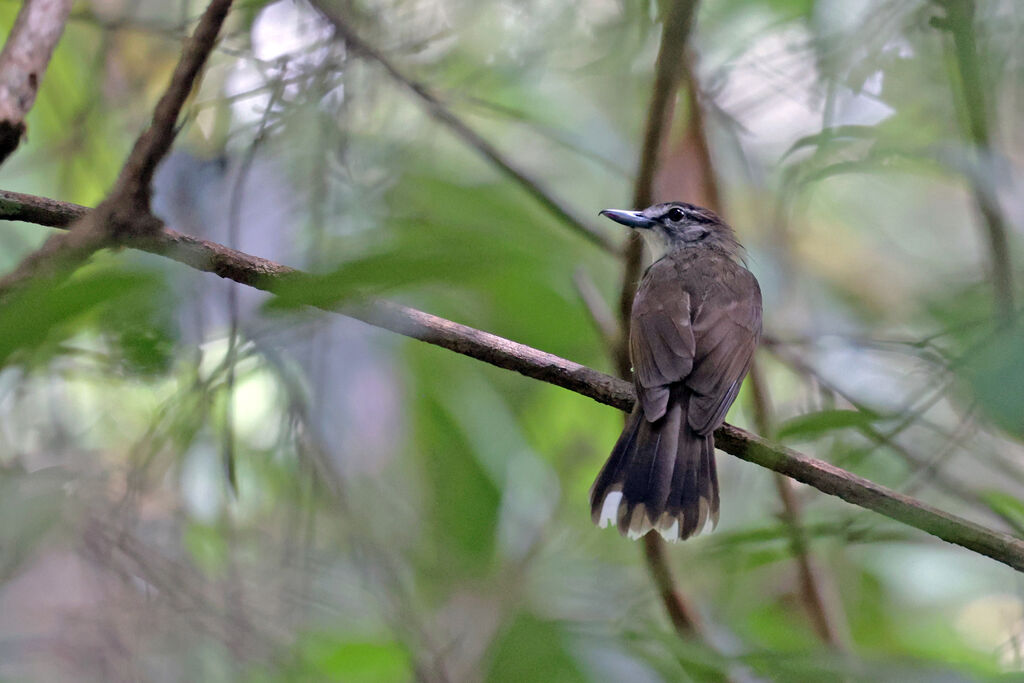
{"type": "Point", "coordinates": [677, 225]}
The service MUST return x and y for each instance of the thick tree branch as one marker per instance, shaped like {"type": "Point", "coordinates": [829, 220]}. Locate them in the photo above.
{"type": "Point", "coordinates": [461, 130]}
{"type": "Point", "coordinates": [125, 212]}
{"type": "Point", "coordinates": [266, 275]}
{"type": "Point", "coordinates": [23, 62]}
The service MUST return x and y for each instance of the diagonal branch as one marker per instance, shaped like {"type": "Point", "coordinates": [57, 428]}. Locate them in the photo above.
{"type": "Point", "coordinates": [152, 146]}
{"type": "Point", "coordinates": [266, 275]}
{"type": "Point", "coordinates": [23, 62]}
{"type": "Point", "coordinates": [125, 212]}
{"type": "Point", "coordinates": [461, 130]}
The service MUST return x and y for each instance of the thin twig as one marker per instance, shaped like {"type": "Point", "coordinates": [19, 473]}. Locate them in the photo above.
{"type": "Point", "coordinates": [462, 130]}
{"type": "Point", "coordinates": [968, 86]}
{"type": "Point", "coordinates": [23, 62]}
{"type": "Point", "coordinates": [234, 230]}
{"type": "Point", "coordinates": [600, 314]}
{"type": "Point", "coordinates": [681, 611]}
{"type": "Point", "coordinates": [180, 585]}
{"type": "Point", "coordinates": [266, 275]}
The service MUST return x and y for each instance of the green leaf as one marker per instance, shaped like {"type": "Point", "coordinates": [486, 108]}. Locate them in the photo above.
{"type": "Point", "coordinates": [995, 374]}
{"type": "Point", "coordinates": [36, 318]}
{"type": "Point", "coordinates": [460, 236]}
{"type": "Point", "coordinates": [334, 658]}
{"type": "Point", "coordinates": [1007, 506]}
{"type": "Point", "coordinates": [466, 500]}
{"type": "Point", "coordinates": [813, 425]}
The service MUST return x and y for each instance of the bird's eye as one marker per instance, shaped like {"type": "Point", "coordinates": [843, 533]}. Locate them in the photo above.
{"type": "Point", "coordinates": [675, 214]}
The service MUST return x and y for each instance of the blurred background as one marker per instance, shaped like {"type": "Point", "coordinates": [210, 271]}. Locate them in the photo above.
{"type": "Point", "coordinates": [201, 485]}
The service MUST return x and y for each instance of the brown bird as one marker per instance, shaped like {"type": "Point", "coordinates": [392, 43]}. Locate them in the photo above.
{"type": "Point", "coordinates": [695, 323]}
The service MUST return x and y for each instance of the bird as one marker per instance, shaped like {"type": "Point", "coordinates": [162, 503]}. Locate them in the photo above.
{"type": "Point", "coordinates": [694, 325]}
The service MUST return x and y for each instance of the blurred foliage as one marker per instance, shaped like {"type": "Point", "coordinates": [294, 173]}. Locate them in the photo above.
{"type": "Point", "coordinates": [403, 512]}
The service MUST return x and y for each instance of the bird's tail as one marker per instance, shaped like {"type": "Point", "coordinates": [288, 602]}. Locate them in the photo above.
{"type": "Point", "coordinates": [661, 476]}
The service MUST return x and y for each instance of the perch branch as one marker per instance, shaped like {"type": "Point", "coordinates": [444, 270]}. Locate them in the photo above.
{"type": "Point", "coordinates": [266, 275]}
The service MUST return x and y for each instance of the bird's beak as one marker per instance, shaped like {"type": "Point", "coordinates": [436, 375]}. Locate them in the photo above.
{"type": "Point", "coordinates": [631, 219]}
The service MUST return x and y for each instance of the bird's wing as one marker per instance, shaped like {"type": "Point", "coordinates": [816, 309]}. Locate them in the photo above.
{"type": "Point", "coordinates": [726, 326]}
{"type": "Point", "coordinates": [661, 339]}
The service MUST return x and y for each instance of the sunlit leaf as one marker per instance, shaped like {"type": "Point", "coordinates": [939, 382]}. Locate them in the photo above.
{"type": "Point", "coordinates": [336, 658]}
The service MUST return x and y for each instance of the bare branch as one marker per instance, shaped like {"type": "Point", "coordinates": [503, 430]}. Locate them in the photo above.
{"type": "Point", "coordinates": [266, 275]}
{"type": "Point", "coordinates": [941, 480]}
{"type": "Point", "coordinates": [681, 612]}
{"type": "Point", "coordinates": [461, 130]}
{"type": "Point", "coordinates": [23, 62]}
{"type": "Point", "coordinates": [816, 588]}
